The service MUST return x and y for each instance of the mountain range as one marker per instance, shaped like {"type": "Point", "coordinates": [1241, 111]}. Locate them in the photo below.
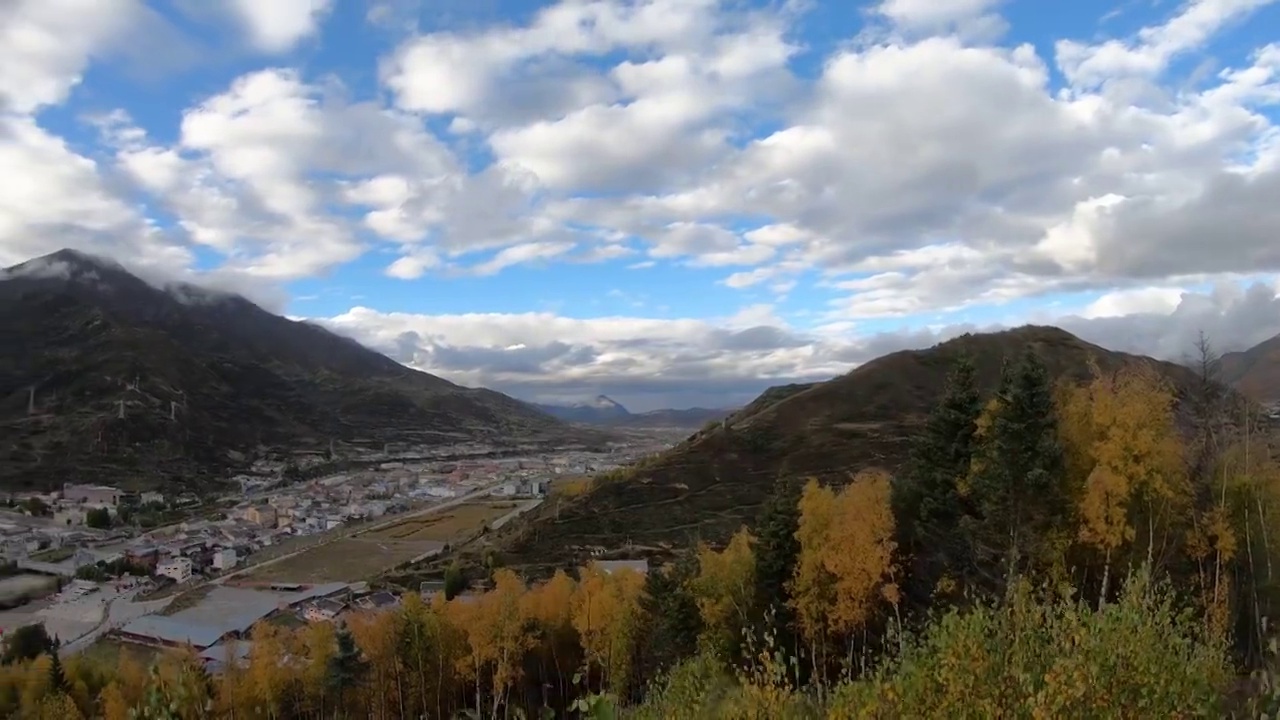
{"type": "Point", "coordinates": [713, 482]}
{"type": "Point", "coordinates": [605, 411]}
{"type": "Point", "coordinates": [106, 377]}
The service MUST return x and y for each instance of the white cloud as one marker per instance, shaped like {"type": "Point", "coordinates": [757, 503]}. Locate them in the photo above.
{"type": "Point", "coordinates": [652, 363]}
{"type": "Point", "coordinates": [45, 46]}
{"type": "Point", "coordinates": [928, 165]}
{"type": "Point", "coordinates": [1150, 52]}
{"type": "Point", "coordinates": [278, 25]}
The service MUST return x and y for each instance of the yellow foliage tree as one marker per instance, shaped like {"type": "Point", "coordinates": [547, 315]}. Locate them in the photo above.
{"type": "Point", "coordinates": [724, 589]}
{"type": "Point", "coordinates": [813, 587]}
{"type": "Point", "coordinates": [846, 560]}
{"type": "Point", "coordinates": [859, 551]}
{"type": "Point", "coordinates": [1119, 434]}
{"type": "Point", "coordinates": [607, 615]}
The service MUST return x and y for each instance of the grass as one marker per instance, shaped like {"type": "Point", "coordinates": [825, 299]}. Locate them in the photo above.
{"type": "Point", "coordinates": [106, 652]}
{"type": "Point", "coordinates": [571, 487]}
{"type": "Point", "coordinates": [448, 526]}
{"type": "Point", "coordinates": [347, 560]}
{"type": "Point", "coordinates": [54, 555]}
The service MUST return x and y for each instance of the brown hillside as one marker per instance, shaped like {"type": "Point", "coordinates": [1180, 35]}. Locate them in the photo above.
{"type": "Point", "coordinates": [707, 486]}
{"type": "Point", "coordinates": [1256, 371]}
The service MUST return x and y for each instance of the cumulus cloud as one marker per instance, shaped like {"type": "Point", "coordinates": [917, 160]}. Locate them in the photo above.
{"type": "Point", "coordinates": [278, 25]}
{"type": "Point", "coordinates": [717, 362]}
{"type": "Point", "coordinates": [929, 165]}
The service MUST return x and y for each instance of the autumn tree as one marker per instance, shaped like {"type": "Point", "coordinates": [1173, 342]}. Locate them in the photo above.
{"type": "Point", "coordinates": [859, 552]}
{"type": "Point", "coordinates": [724, 590]}
{"type": "Point", "coordinates": [607, 615]}
{"type": "Point", "coordinates": [550, 606]}
{"type": "Point", "coordinates": [927, 500]}
{"type": "Point", "coordinates": [1123, 451]}
{"type": "Point", "coordinates": [1015, 479]}
{"type": "Point", "coordinates": [812, 588]}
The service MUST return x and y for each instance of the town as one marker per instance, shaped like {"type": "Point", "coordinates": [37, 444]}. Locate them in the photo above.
{"type": "Point", "coordinates": [97, 563]}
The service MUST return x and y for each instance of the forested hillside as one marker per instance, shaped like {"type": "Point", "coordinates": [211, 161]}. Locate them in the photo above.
{"type": "Point", "coordinates": [1065, 549]}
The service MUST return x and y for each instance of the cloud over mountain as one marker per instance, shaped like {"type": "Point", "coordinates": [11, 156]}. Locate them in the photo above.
{"type": "Point", "coordinates": [671, 202]}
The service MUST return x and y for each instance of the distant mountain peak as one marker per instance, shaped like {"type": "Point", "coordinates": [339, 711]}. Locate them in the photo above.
{"type": "Point", "coordinates": [603, 402]}
{"type": "Point", "coordinates": [65, 264]}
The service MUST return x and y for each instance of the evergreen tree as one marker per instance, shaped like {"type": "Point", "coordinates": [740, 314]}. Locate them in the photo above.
{"type": "Point", "coordinates": [927, 501]}
{"type": "Point", "coordinates": [672, 613]}
{"type": "Point", "coordinates": [57, 676]}
{"type": "Point", "coordinates": [347, 667]}
{"type": "Point", "coordinates": [1016, 479]}
{"type": "Point", "coordinates": [776, 551]}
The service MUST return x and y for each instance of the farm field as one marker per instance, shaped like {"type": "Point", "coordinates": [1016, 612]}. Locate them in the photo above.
{"type": "Point", "coordinates": [447, 526]}
{"type": "Point", "coordinates": [347, 560]}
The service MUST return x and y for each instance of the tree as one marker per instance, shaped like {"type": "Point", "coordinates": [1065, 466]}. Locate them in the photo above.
{"type": "Point", "coordinates": [346, 667]}
{"type": "Point", "coordinates": [99, 518]}
{"type": "Point", "coordinates": [26, 643]}
{"type": "Point", "coordinates": [1123, 450]}
{"type": "Point", "coordinates": [724, 589]}
{"type": "Point", "coordinates": [777, 550]}
{"type": "Point", "coordinates": [859, 551]}
{"type": "Point", "coordinates": [672, 615]}
{"type": "Point", "coordinates": [812, 588]}
{"type": "Point", "coordinates": [1016, 477]}
{"type": "Point", "coordinates": [454, 581]}
{"type": "Point", "coordinates": [57, 677]}
{"type": "Point", "coordinates": [928, 501]}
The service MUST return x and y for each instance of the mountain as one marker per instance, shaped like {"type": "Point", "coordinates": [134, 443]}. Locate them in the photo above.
{"type": "Point", "coordinates": [707, 486]}
{"type": "Point", "coordinates": [108, 378]}
{"type": "Point", "coordinates": [610, 413]}
{"type": "Point", "coordinates": [1255, 372]}
{"type": "Point", "coordinates": [600, 410]}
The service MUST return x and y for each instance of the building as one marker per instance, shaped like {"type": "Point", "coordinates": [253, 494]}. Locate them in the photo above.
{"type": "Point", "coordinates": [381, 600]}
{"type": "Point", "coordinates": [151, 498]}
{"type": "Point", "coordinates": [323, 610]}
{"type": "Point", "coordinates": [612, 566]}
{"type": "Point", "coordinates": [261, 515]}
{"type": "Point", "coordinates": [224, 559]}
{"type": "Point", "coordinates": [91, 494]}
{"type": "Point", "coordinates": [179, 569]}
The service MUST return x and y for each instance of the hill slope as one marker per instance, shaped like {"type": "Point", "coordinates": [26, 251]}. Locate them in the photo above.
{"type": "Point", "coordinates": [709, 485]}
{"type": "Point", "coordinates": [196, 374]}
{"type": "Point", "coordinates": [1256, 371]}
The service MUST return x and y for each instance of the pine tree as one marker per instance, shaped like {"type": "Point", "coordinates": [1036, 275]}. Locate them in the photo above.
{"type": "Point", "coordinates": [57, 676]}
{"type": "Point", "coordinates": [776, 554]}
{"type": "Point", "coordinates": [928, 502]}
{"type": "Point", "coordinates": [347, 667]}
{"type": "Point", "coordinates": [672, 614]}
{"type": "Point", "coordinates": [1016, 481]}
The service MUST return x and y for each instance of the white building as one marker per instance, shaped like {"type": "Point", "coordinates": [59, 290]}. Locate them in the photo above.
{"type": "Point", "coordinates": [178, 568]}
{"type": "Point", "coordinates": [224, 559]}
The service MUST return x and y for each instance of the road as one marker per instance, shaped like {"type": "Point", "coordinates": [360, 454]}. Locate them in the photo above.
{"type": "Point", "coordinates": [119, 611]}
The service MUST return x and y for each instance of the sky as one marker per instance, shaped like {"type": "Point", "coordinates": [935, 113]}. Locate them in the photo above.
{"type": "Point", "coordinates": [676, 203]}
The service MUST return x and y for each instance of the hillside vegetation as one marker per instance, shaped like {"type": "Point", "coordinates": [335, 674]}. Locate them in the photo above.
{"type": "Point", "coordinates": [1049, 549]}
{"type": "Point", "coordinates": [709, 485]}
{"type": "Point", "coordinates": [105, 376]}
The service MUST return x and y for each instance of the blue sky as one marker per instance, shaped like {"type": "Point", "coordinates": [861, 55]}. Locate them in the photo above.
{"type": "Point", "coordinates": [616, 189]}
